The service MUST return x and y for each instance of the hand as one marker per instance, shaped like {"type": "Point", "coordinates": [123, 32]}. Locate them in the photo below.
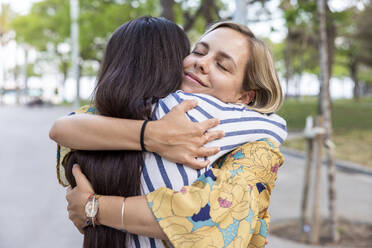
{"type": "Point", "coordinates": [77, 198]}
{"type": "Point", "coordinates": [179, 140]}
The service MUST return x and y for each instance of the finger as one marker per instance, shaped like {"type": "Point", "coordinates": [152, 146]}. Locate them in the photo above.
{"type": "Point", "coordinates": [187, 105]}
{"type": "Point", "coordinates": [213, 135]}
{"type": "Point", "coordinates": [207, 151]}
{"type": "Point", "coordinates": [196, 164]}
{"type": "Point", "coordinates": [81, 229]}
{"type": "Point", "coordinates": [68, 194]}
{"type": "Point", "coordinates": [207, 124]}
{"type": "Point", "coordinates": [68, 189]}
{"type": "Point", "coordinates": [81, 181]}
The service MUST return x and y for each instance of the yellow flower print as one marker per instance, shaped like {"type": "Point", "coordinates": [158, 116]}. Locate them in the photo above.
{"type": "Point", "coordinates": [229, 203]}
{"type": "Point", "coordinates": [177, 225]}
{"type": "Point", "coordinates": [203, 237]}
{"type": "Point", "coordinates": [161, 204]}
{"type": "Point", "coordinates": [189, 200]}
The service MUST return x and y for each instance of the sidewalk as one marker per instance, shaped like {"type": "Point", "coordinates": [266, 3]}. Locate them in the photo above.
{"type": "Point", "coordinates": [354, 194]}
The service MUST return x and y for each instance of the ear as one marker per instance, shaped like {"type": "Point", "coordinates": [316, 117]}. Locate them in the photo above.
{"type": "Point", "coordinates": [247, 97]}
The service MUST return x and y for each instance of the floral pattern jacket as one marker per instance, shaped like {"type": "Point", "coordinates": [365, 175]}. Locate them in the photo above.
{"type": "Point", "coordinates": [227, 206]}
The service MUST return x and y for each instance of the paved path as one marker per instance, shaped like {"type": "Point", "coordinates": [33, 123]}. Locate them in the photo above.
{"type": "Point", "coordinates": [354, 194]}
{"type": "Point", "coordinates": [33, 206]}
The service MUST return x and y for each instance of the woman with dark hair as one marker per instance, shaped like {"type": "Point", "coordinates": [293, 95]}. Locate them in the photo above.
{"type": "Point", "coordinates": [230, 64]}
{"type": "Point", "coordinates": [125, 90]}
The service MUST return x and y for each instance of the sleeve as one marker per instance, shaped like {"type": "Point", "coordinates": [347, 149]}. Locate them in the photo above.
{"type": "Point", "coordinates": [240, 124]}
{"type": "Point", "coordinates": [227, 205]}
{"type": "Point", "coordinates": [63, 151]}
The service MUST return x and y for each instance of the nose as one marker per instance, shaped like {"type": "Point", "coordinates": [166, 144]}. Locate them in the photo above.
{"type": "Point", "coordinates": [202, 64]}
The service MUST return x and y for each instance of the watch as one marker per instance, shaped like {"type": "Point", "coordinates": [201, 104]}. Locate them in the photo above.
{"type": "Point", "coordinates": [91, 209]}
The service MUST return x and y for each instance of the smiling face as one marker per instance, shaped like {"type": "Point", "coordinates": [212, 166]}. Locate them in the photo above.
{"type": "Point", "coordinates": [216, 66]}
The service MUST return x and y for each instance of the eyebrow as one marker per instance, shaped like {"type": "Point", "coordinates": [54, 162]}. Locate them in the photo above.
{"type": "Point", "coordinates": [220, 53]}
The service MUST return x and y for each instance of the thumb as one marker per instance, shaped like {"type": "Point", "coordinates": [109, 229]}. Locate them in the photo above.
{"type": "Point", "coordinates": [81, 181]}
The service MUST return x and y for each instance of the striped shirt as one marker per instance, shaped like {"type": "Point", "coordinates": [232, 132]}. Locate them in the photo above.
{"type": "Point", "coordinates": [240, 124]}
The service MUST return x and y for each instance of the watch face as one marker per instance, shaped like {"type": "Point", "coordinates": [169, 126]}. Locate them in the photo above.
{"type": "Point", "coordinates": [91, 209]}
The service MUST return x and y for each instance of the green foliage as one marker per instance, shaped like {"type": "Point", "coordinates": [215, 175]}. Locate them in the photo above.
{"type": "Point", "coordinates": [365, 74]}
{"type": "Point", "coordinates": [6, 15]}
{"type": "Point", "coordinates": [347, 115]}
{"type": "Point", "coordinates": [99, 19]}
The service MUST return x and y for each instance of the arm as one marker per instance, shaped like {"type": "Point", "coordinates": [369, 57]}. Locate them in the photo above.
{"type": "Point", "coordinates": [224, 206]}
{"type": "Point", "coordinates": [239, 190]}
{"type": "Point", "coordinates": [240, 124]}
{"type": "Point", "coordinates": [138, 216]}
{"type": "Point", "coordinates": [167, 137]}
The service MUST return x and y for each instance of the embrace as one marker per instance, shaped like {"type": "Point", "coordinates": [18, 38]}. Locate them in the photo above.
{"type": "Point", "coordinates": [176, 149]}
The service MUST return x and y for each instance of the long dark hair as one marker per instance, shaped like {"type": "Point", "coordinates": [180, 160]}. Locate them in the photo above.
{"type": "Point", "coordinates": [142, 63]}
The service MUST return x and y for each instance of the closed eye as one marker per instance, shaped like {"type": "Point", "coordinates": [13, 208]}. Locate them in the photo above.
{"type": "Point", "coordinates": [197, 53]}
{"type": "Point", "coordinates": [222, 67]}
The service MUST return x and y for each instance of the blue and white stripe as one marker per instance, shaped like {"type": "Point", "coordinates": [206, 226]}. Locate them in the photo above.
{"type": "Point", "coordinates": [240, 124]}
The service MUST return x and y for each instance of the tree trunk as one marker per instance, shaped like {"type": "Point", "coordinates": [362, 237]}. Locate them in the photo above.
{"type": "Point", "coordinates": [325, 104]}
{"type": "Point", "coordinates": [315, 224]}
{"type": "Point", "coordinates": [287, 61]}
{"type": "Point", "coordinates": [305, 194]}
{"type": "Point", "coordinates": [207, 11]}
{"type": "Point", "coordinates": [353, 73]}
{"type": "Point", "coordinates": [331, 37]}
{"type": "Point", "coordinates": [167, 9]}
{"type": "Point", "coordinates": [75, 53]}
{"type": "Point", "coordinates": [25, 82]}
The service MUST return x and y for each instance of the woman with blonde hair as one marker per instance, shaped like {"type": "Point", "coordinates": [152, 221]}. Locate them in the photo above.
{"type": "Point", "coordinates": [227, 205]}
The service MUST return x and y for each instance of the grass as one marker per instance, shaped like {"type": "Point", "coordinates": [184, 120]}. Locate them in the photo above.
{"type": "Point", "coordinates": [352, 126]}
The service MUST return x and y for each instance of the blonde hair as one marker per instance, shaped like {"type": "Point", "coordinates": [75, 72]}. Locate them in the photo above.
{"type": "Point", "coordinates": [260, 73]}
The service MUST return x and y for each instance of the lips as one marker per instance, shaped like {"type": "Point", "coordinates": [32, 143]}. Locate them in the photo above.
{"type": "Point", "coordinates": [194, 78]}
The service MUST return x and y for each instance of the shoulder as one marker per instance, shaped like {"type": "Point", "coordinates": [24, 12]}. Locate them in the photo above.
{"type": "Point", "coordinates": [205, 100]}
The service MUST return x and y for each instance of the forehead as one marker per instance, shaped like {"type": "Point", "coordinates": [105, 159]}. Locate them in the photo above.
{"type": "Point", "coordinates": [228, 41]}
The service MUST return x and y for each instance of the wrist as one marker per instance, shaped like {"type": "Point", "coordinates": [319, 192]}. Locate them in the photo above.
{"type": "Point", "coordinates": [91, 209]}
{"type": "Point", "coordinates": [150, 136]}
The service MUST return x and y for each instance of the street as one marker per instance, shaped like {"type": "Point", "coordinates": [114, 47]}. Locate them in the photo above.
{"type": "Point", "coordinates": [32, 203]}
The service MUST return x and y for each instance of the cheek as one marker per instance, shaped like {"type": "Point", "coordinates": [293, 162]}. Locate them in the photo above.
{"type": "Point", "coordinates": [187, 61]}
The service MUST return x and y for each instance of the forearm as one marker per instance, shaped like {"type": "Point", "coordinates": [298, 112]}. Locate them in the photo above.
{"type": "Point", "coordinates": [93, 132]}
{"type": "Point", "coordinates": [138, 218]}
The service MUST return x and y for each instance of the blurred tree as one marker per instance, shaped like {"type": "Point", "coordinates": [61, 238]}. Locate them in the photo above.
{"type": "Point", "coordinates": [47, 26]}
{"type": "Point", "coordinates": [326, 33]}
{"type": "Point", "coordinates": [6, 15]}
{"type": "Point", "coordinates": [167, 9]}
{"type": "Point", "coordinates": [363, 42]}
{"type": "Point", "coordinates": [196, 16]}
{"type": "Point", "coordinates": [300, 48]}
{"type": "Point", "coordinates": [347, 27]}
